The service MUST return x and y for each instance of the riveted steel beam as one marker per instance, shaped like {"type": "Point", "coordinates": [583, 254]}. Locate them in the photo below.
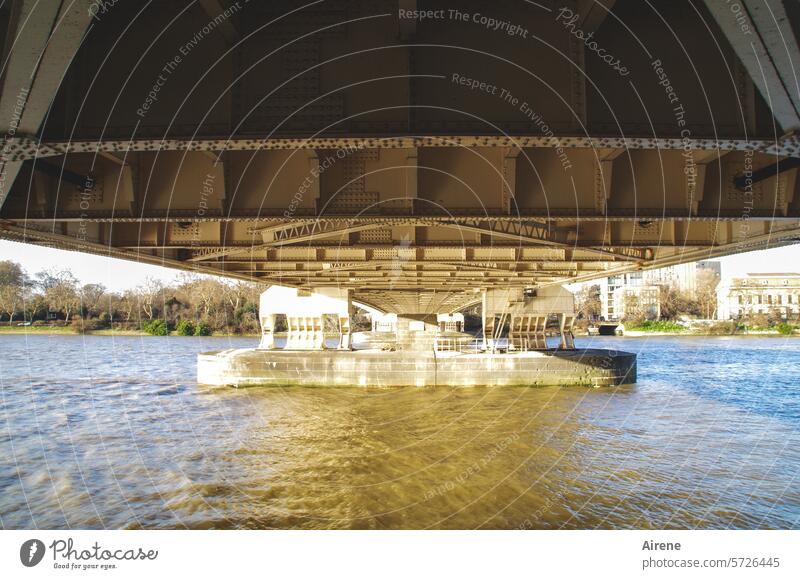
{"type": "Point", "coordinates": [23, 149]}
{"type": "Point", "coordinates": [538, 233]}
{"type": "Point", "coordinates": [293, 233]}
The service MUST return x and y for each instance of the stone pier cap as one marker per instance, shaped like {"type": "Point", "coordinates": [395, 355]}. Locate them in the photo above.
{"type": "Point", "coordinates": [389, 369]}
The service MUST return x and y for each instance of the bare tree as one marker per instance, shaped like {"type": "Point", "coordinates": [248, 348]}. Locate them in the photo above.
{"type": "Point", "coordinates": [635, 312]}
{"type": "Point", "coordinates": [12, 282]}
{"type": "Point", "coordinates": [587, 302]}
{"type": "Point", "coordinates": [91, 295]}
{"type": "Point", "coordinates": [127, 303]}
{"type": "Point", "coordinates": [60, 288]}
{"type": "Point", "coordinates": [220, 304]}
{"type": "Point", "coordinates": [706, 293]}
{"type": "Point", "coordinates": [10, 300]}
{"type": "Point", "coordinates": [149, 294]}
{"type": "Point", "coordinates": [207, 290]}
{"type": "Point", "coordinates": [11, 273]}
{"type": "Point", "coordinates": [674, 302]}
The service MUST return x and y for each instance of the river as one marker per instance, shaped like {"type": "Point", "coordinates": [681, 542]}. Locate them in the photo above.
{"type": "Point", "coordinates": [114, 432]}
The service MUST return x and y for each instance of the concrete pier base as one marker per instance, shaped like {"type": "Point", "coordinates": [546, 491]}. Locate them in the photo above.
{"type": "Point", "coordinates": [381, 369]}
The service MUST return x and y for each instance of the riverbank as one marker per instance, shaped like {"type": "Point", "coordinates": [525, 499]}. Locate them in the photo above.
{"type": "Point", "coordinates": [707, 328]}
{"type": "Point", "coordinates": [696, 334]}
{"type": "Point", "coordinates": [36, 330]}
{"type": "Point", "coordinates": [68, 331]}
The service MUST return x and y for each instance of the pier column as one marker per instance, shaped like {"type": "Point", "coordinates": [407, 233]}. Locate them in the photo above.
{"type": "Point", "coordinates": [525, 312]}
{"type": "Point", "coordinates": [305, 316]}
{"type": "Point", "coordinates": [411, 331]}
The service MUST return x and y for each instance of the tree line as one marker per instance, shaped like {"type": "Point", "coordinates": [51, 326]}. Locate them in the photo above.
{"type": "Point", "coordinates": [673, 302]}
{"type": "Point", "coordinates": [194, 304]}
{"type": "Point", "coordinates": [674, 305]}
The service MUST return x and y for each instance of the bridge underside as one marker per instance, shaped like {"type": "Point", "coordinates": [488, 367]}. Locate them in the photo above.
{"type": "Point", "coordinates": [413, 161]}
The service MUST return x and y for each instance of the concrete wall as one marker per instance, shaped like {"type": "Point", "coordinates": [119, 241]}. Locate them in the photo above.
{"type": "Point", "coordinates": [305, 314]}
{"type": "Point", "coordinates": [293, 302]}
{"type": "Point", "coordinates": [377, 369]}
{"type": "Point", "coordinates": [548, 300]}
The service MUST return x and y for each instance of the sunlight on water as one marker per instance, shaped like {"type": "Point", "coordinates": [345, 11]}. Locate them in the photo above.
{"type": "Point", "coordinates": [114, 432]}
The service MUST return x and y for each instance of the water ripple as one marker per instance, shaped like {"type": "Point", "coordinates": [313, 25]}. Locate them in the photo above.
{"type": "Point", "coordinates": [98, 432]}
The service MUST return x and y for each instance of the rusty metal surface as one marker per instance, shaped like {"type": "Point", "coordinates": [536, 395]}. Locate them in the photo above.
{"type": "Point", "coordinates": [412, 159]}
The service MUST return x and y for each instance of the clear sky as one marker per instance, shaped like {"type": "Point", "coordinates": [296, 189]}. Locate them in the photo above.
{"type": "Point", "coordinates": [117, 274]}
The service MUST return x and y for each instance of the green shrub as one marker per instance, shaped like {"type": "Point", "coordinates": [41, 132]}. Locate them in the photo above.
{"type": "Point", "coordinates": [658, 326]}
{"type": "Point", "coordinates": [242, 312]}
{"type": "Point", "coordinates": [202, 329]}
{"type": "Point", "coordinates": [155, 327]}
{"type": "Point", "coordinates": [185, 328]}
{"type": "Point", "coordinates": [785, 329]}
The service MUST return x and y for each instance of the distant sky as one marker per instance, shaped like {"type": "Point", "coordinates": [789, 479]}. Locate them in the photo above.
{"type": "Point", "coordinates": [115, 274]}
{"type": "Point", "coordinates": [779, 260]}
{"type": "Point", "coordinates": [118, 274]}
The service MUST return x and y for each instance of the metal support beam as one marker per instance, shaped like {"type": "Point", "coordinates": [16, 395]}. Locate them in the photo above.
{"type": "Point", "coordinates": [41, 41]}
{"type": "Point", "coordinates": [215, 11]}
{"type": "Point", "coordinates": [603, 177]}
{"type": "Point", "coordinates": [775, 30]}
{"type": "Point", "coordinates": [19, 149]}
{"type": "Point", "coordinates": [744, 181]}
{"type": "Point", "coordinates": [294, 233]}
{"type": "Point", "coordinates": [538, 233]}
{"type": "Point", "coordinates": [593, 13]}
{"type": "Point", "coordinates": [82, 182]}
{"type": "Point", "coordinates": [510, 177]}
{"type": "Point", "coordinates": [763, 40]}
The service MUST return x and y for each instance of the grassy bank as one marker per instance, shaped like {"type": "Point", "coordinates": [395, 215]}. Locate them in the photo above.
{"type": "Point", "coordinates": [697, 333]}
{"type": "Point", "coordinates": [670, 328]}
{"type": "Point", "coordinates": [69, 331]}
{"type": "Point", "coordinates": [36, 330]}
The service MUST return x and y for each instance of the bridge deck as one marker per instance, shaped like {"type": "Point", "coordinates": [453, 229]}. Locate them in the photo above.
{"type": "Point", "coordinates": [413, 160]}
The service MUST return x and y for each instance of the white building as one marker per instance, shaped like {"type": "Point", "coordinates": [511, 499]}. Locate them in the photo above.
{"type": "Point", "coordinates": [759, 293]}
{"type": "Point", "coordinates": [608, 287]}
{"type": "Point", "coordinates": [682, 277]}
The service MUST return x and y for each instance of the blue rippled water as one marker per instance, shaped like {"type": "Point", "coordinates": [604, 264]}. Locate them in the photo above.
{"type": "Point", "coordinates": [102, 432]}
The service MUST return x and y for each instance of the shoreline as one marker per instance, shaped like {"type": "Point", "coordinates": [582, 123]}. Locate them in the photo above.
{"type": "Point", "coordinates": [68, 331]}
{"type": "Point", "coordinates": [640, 334]}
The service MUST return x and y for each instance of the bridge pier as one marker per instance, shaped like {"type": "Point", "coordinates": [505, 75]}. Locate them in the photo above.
{"type": "Point", "coordinates": [524, 314]}
{"type": "Point", "coordinates": [306, 340]}
{"type": "Point", "coordinates": [305, 317]}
